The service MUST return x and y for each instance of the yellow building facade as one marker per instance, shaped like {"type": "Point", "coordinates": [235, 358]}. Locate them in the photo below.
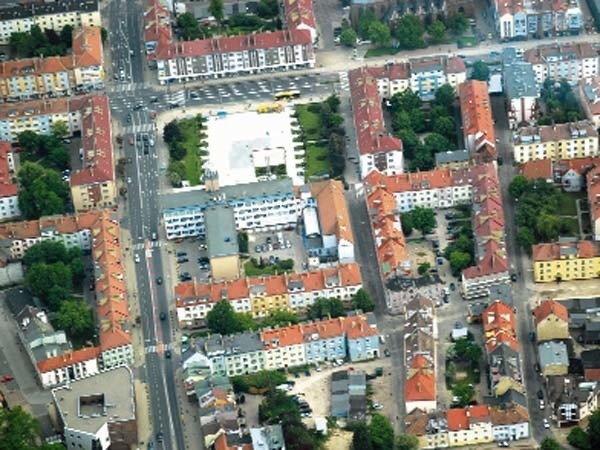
{"type": "Point", "coordinates": [566, 261]}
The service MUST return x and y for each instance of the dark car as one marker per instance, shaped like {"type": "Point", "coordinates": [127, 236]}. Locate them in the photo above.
{"type": "Point", "coordinates": [452, 287]}
{"type": "Point", "coordinates": [540, 394]}
{"type": "Point", "coordinates": [168, 354]}
{"type": "Point", "coordinates": [159, 437]}
{"type": "Point", "coordinates": [163, 316]}
{"type": "Point", "coordinates": [513, 277]}
{"type": "Point", "coordinates": [182, 260]}
{"type": "Point", "coordinates": [181, 254]}
{"type": "Point", "coordinates": [387, 353]}
{"type": "Point", "coordinates": [159, 280]}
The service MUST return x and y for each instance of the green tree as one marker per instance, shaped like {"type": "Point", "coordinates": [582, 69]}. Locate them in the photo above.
{"type": "Point", "coordinates": [464, 391]}
{"type": "Point", "coordinates": [267, 9]}
{"type": "Point", "coordinates": [437, 32]}
{"type": "Point", "coordinates": [60, 129]}
{"type": "Point", "coordinates": [409, 32]}
{"type": "Point", "coordinates": [325, 307]}
{"type": "Point", "coordinates": [424, 268]}
{"type": "Point", "coordinates": [42, 192]}
{"type": "Point", "coordinates": [578, 438]}
{"type": "Point", "coordinates": [177, 151]}
{"type": "Point", "coordinates": [47, 252]}
{"type": "Point", "coordinates": [364, 23]}
{"type": "Point", "coordinates": [423, 159]}
{"type": "Point", "coordinates": [445, 96]}
{"type": "Point", "coordinates": [379, 34]}
{"type": "Point", "coordinates": [189, 26]}
{"type": "Point", "coordinates": [407, 223]}
{"type": "Point", "coordinates": [242, 238]}
{"type": "Point", "coordinates": [437, 143]}
{"type": "Point", "coordinates": [172, 132]}
{"type": "Point", "coordinates": [525, 238]}
{"type": "Point", "coordinates": [18, 430]}
{"type": "Point", "coordinates": [518, 186]}
{"type": "Point", "coordinates": [481, 71]}
{"type": "Point", "coordinates": [333, 101]}
{"type": "Point", "coordinates": [361, 439]}
{"type": "Point", "coordinates": [445, 127]}
{"type": "Point", "coordinates": [75, 317]}
{"type": "Point", "coordinates": [41, 278]}
{"type": "Point", "coordinates": [458, 23]}
{"type": "Point", "coordinates": [216, 8]}
{"type": "Point", "coordinates": [279, 318]}
{"type": "Point", "coordinates": [593, 429]}
{"type": "Point", "coordinates": [382, 433]}
{"type": "Point", "coordinates": [459, 261]}
{"type": "Point", "coordinates": [423, 219]}
{"type": "Point", "coordinates": [550, 444]}
{"type": "Point", "coordinates": [66, 35]}
{"type": "Point", "coordinates": [467, 350]}
{"type": "Point", "coordinates": [407, 100]}
{"type": "Point", "coordinates": [222, 319]}
{"type": "Point", "coordinates": [363, 301]}
{"type": "Point", "coordinates": [547, 226]}
{"type": "Point", "coordinates": [406, 442]}
{"type": "Point", "coordinates": [410, 142]}
{"type": "Point", "coordinates": [348, 37]}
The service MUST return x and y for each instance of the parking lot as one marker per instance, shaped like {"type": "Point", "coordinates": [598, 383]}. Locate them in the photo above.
{"type": "Point", "coordinates": [268, 247]}
{"type": "Point", "coordinates": [190, 260]}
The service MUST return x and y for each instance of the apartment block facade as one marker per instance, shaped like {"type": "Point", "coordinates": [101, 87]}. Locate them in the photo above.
{"type": "Point", "coordinates": [566, 260]}
{"type": "Point", "coordinates": [477, 121]}
{"type": "Point", "coordinates": [589, 95]}
{"type": "Point", "coordinates": [572, 62]}
{"type": "Point", "coordinates": [354, 337]}
{"type": "Point", "coordinates": [9, 200]}
{"type": "Point", "coordinates": [593, 189]}
{"type": "Point", "coordinates": [555, 142]}
{"type": "Point", "coordinates": [19, 18]}
{"type": "Point", "coordinates": [81, 71]}
{"type": "Point", "coordinates": [261, 295]}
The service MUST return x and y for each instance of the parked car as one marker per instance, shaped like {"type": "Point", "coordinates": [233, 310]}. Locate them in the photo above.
{"type": "Point", "coordinates": [182, 260]}
{"type": "Point", "coordinates": [181, 254]}
{"type": "Point", "coordinates": [377, 406]}
{"type": "Point", "coordinates": [387, 353]}
{"type": "Point", "coordinates": [546, 423]}
{"type": "Point", "coordinates": [159, 280]}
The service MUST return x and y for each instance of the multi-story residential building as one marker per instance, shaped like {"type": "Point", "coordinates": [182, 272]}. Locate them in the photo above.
{"type": "Point", "coordinates": [94, 186]}
{"type": "Point", "coordinates": [9, 200]}
{"type": "Point", "coordinates": [68, 366]}
{"type": "Point", "coordinates": [354, 337]}
{"type": "Point", "coordinates": [505, 370]}
{"type": "Point", "coordinates": [225, 56]}
{"type": "Point", "coordinates": [392, 253]}
{"type": "Point", "coordinates": [560, 141]}
{"type": "Point", "coordinates": [257, 206]}
{"type": "Point", "coordinates": [262, 295]}
{"type": "Point", "coordinates": [571, 399]}
{"type": "Point", "coordinates": [591, 364]}
{"type": "Point", "coordinates": [551, 321]}
{"type": "Point", "coordinates": [521, 89]}
{"type": "Point", "coordinates": [593, 190]}
{"type": "Point", "coordinates": [572, 62]}
{"type": "Point", "coordinates": [477, 121]}
{"type": "Point", "coordinates": [327, 222]}
{"type": "Point", "coordinates": [589, 96]}
{"type": "Point", "coordinates": [378, 150]}
{"type": "Point", "coordinates": [530, 19]}
{"type": "Point", "coordinates": [510, 423]}
{"type": "Point", "coordinates": [98, 412]}
{"type": "Point", "coordinates": [452, 159]}
{"type": "Point", "coordinates": [554, 358]}
{"type": "Point", "coordinates": [222, 243]}
{"type": "Point", "coordinates": [20, 17]}
{"type": "Point", "coordinates": [499, 327]}
{"type": "Point", "coordinates": [299, 15]}
{"type": "Point", "coordinates": [82, 70]}
{"type": "Point", "coordinates": [570, 174]}
{"type": "Point", "coordinates": [430, 429]}
{"type": "Point", "coordinates": [469, 426]}
{"type": "Point", "coordinates": [567, 259]}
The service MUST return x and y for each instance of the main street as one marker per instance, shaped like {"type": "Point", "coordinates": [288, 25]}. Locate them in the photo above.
{"type": "Point", "coordinates": [141, 219]}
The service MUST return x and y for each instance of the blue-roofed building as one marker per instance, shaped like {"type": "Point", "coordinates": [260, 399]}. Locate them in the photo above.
{"type": "Point", "coordinates": [554, 358]}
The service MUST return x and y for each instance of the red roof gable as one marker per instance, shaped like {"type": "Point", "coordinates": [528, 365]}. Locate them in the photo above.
{"type": "Point", "coordinates": [457, 419]}
{"type": "Point", "coordinates": [68, 359]}
{"type": "Point", "coordinates": [551, 307]}
{"type": "Point", "coordinates": [420, 387]}
{"type": "Point", "coordinates": [7, 187]}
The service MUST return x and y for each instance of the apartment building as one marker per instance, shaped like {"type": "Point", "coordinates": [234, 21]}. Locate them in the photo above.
{"type": "Point", "coordinates": [572, 62]}
{"type": "Point", "coordinates": [469, 426]}
{"type": "Point", "coordinates": [499, 327]}
{"type": "Point", "coordinates": [81, 71]}
{"type": "Point", "coordinates": [521, 89]}
{"type": "Point", "coordinates": [98, 412]}
{"type": "Point", "coordinates": [477, 121]}
{"type": "Point", "coordinates": [593, 188]}
{"type": "Point", "coordinates": [589, 96]}
{"type": "Point", "coordinates": [378, 150]}
{"type": "Point", "coordinates": [554, 358]}
{"type": "Point", "coordinates": [571, 399]}
{"type": "Point", "coordinates": [560, 141]}
{"type": "Point", "coordinates": [569, 174]}
{"type": "Point", "coordinates": [20, 17]}
{"type": "Point", "coordinates": [299, 15]}
{"type": "Point", "coordinates": [551, 320]}
{"type": "Point", "coordinates": [354, 337]}
{"type": "Point", "coordinates": [257, 206]}
{"type": "Point", "coordinates": [530, 19]}
{"type": "Point", "coordinates": [93, 186]}
{"type": "Point", "coordinates": [222, 243]}
{"type": "Point", "coordinates": [510, 423]}
{"type": "Point", "coordinates": [566, 260]}
{"type": "Point", "coordinates": [9, 199]}
{"type": "Point", "coordinates": [505, 371]}
{"type": "Point", "coordinates": [262, 295]}
{"type": "Point", "coordinates": [69, 366]}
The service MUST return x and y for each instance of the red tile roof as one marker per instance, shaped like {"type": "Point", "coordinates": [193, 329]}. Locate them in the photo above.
{"type": "Point", "coordinates": [96, 141]}
{"type": "Point", "coordinates": [499, 326]}
{"type": "Point", "coordinates": [493, 261]}
{"type": "Point", "coordinates": [87, 46]}
{"type": "Point", "coordinates": [551, 307]}
{"type": "Point", "coordinates": [477, 120]}
{"type": "Point", "coordinates": [537, 168]}
{"type": "Point", "coordinates": [419, 181]}
{"type": "Point", "coordinates": [299, 13]}
{"type": "Point", "coordinates": [478, 413]}
{"type": "Point", "coordinates": [68, 359]}
{"type": "Point", "coordinates": [420, 387]}
{"type": "Point", "coordinates": [371, 133]}
{"type": "Point", "coordinates": [7, 187]}
{"type": "Point", "coordinates": [457, 419]}
{"type": "Point", "coordinates": [553, 251]}
{"type": "Point", "coordinates": [282, 337]}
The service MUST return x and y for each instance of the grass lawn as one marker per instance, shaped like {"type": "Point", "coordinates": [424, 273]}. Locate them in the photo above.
{"type": "Point", "coordinates": [251, 270]}
{"type": "Point", "coordinates": [568, 206]}
{"type": "Point", "coordinates": [191, 142]}
{"type": "Point", "coordinates": [317, 162]}
{"type": "Point", "coordinates": [569, 226]}
{"type": "Point", "coordinates": [381, 51]}
{"type": "Point", "coordinates": [310, 123]}
{"type": "Point", "coordinates": [467, 41]}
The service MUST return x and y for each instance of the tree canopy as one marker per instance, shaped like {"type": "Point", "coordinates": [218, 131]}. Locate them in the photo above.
{"type": "Point", "coordinates": [348, 37]}
{"type": "Point", "coordinates": [409, 32]}
{"type": "Point", "coordinates": [481, 71]}
{"type": "Point", "coordinates": [423, 219]}
{"type": "Point", "coordinates": [458, 23]}
{"type": "Point", "coordinates": [20, 431]}
{"type": "Point", "coordinates": [37, 42]}
{"type": "Point", "coordinates": [42, 192]}
{"type": "Point", "coordinates": [550, 444]}
{"type": "Point", "coordinates": [437, 32]}
{"type": "Point", "coordinates": [464, 391]}
{"type": "Point", "coordinates": [46, 150]}
{"type": "Point", "coordinates": [593, 429]}
{"type": "Point", "coordinates": [363, 301]}
{"type": "Point", "coordinates": [325, 307]}
{"type": "Point", "coordinates": [222, 319]}
{"type": "Point", "coordinates": [279, 318]}
{"type": "Point", "coordinates": [560, 103]}
{"type": "Point", "coordinates": [216, 9]}
{"type": "Point", "coordinates": [578, 438]}
{"type": "Point", "coordinates": [75, 317]}
{"type": "Point", "coordinates": [382, 433]}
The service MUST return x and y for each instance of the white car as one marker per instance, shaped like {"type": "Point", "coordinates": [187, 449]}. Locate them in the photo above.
{"type": "Point", "coordinates": [137, 258]}
{"type": "Point", "coordinates": [546, 424]}
{"type": "Point", "coordinates": [377, 406]}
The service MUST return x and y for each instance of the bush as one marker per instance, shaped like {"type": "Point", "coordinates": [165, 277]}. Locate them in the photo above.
{"type": "Point", "coordinates": [259, 382]}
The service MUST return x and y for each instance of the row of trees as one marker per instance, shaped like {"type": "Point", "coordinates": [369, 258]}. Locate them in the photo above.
{"type": "Point", "coordinates": [223, 319]}
{"type": "Point", "coordinates": [183, 136]}
{"type": "Point", "coordinates": [559, 103]}
{"type": "Point", "coordinates": [409, 119]}
{"type": "Point", "coordinates": [409, 31]}
{"type": "Point", "coordinates": [54, 272]}
{"type": "Point", "coordinates": [37, 42]}
{"type": "Point", "coordinates": [537, 211]}
{"type": "Point", "coordinates": [378, 434]}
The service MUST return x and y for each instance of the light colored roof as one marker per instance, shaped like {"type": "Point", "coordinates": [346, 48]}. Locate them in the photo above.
{"type": "Point", "coordinates": [221, 236]}
{"type": "Point", "coordinates": [553, 353]}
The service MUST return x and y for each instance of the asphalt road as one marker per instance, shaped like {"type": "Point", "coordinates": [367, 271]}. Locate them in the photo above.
{"type": "Point", "coordinates": [142, 221]}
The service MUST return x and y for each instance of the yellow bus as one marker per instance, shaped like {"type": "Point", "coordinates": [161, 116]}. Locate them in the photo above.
{"type": "Point", "coordinates": [287, 95]}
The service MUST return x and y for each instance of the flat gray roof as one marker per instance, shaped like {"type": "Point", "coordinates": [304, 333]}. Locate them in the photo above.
{"type": "Point", "coordinates": [553, 353]}
{"type": "Point", "coordinates": [221, 236]}
{"type": "Point", "coordinates": [451, 156]}
{"type": "Point", "coordinates": [519, 80]}
{"type": "Point", "coordinates": [31, 9]}
{"type": "Point", "coordinates": [199, 197]}
{"type": "Point", "coordinates": [89, 403]}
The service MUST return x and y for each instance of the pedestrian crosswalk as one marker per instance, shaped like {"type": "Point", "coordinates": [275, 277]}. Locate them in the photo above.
{"type": "Point", "coordinates": [160, 348]}
{"type": "Point", "coordinates": [151, 244]}
{"type": "Point", "coordinates": [141, 128]}
{"type": "Point", "coordinates": [127, 87]}
{"type": "Point", "coordinates": [344, 81]}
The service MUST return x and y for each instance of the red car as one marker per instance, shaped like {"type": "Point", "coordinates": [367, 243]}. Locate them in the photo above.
{"type": "Point", "coordinates": [6, 378]}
